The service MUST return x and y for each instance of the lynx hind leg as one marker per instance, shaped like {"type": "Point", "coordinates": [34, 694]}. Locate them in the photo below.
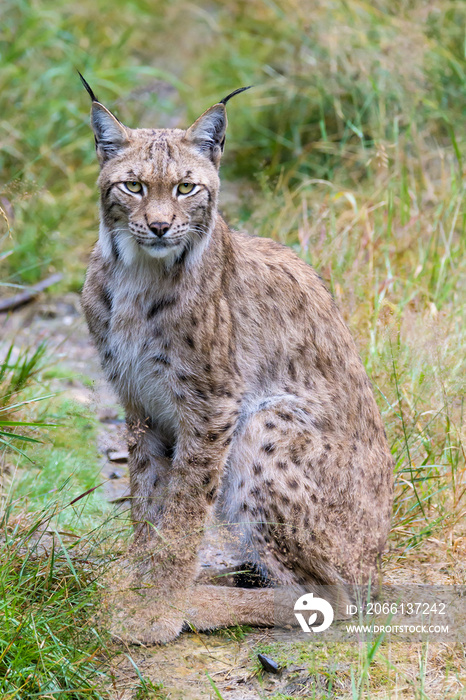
{"type": "Point", "coordinates": [273, 498]}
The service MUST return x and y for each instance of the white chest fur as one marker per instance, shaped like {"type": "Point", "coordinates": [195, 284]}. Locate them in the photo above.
{"type": "Point", "coordinates": [142, 367]}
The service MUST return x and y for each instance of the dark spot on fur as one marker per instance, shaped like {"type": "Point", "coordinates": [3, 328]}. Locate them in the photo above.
{"type": "Point", "coordinates": [292, 370]}
{"type": "Point", "coordinates": [180, 260]}
{"type": "Point", "coordinates": [189, 341]}
{"type": "Point", "coordinates": [269, 425]}
{"type": "Point", "coordinates": [159, 305]}
{"type": "Point", "coordinates": [282, 465]}
{"type": "Point", "coordinates": [322, 460]}
{"type": "Point", "coordinates": [108, 355]}
{"type": "Point", "coordinates": [211, 495]}
{"type": "Point", "coordinates": [293, 484]}
{"type": "Point", "coordinates": [163, 359]}
{"type": "Point", "coordinates": [257, 468]}
{"type": "Point", "coordinates": [107, 298]}
{"type": "Point", "coordinates": [269, 447]}
{"type": "Point", "coordinates": [114, 246]}
{"type": "Point", "coordinates": [323, 424]}
{"type": "Point", "coordinates": [156, 331]}
{"type": "Point", "coordinates": [284, 416]}
{"type": "Point", "coordinates": [142, 463]}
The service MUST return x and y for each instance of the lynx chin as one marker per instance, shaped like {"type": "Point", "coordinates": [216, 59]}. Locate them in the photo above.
{"type": "Point", "coordinates": [243, 390]}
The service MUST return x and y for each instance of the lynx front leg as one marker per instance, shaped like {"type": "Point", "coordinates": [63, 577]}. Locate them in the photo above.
{"type": "Point", "coordinates": [169, 529]}
{"type": "Point", "coordinates": [189, 498]}
{"type": "Point", "coordinates": [149, 473]}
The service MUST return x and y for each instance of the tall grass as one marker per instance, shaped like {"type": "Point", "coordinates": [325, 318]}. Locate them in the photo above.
{"type": "Point", "coordinates": [15, 375]}
{"type": "Point", "coordinates": [49, 643]}
{"type": "Point", "coordinates": [49, 646]}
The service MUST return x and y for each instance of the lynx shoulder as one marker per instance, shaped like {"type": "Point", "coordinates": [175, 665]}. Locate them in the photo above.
{"type": "Point", "coordinates": [242, 386]}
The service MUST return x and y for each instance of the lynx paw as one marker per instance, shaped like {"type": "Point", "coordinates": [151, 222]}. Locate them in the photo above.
{"type": "Point", "coordinates": [143, 618]}
{"type": "Point", "coordinates": [146, 627]}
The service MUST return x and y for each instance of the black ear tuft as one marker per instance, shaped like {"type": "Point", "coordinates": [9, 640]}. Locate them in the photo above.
{"type": "Point", "coordinates": [88, 88]}
{"type": "Point", "coordinates": [111, 136]}
{"type": "Point", "coordinates": [235, 92]}
{"type": "Point", "coordinates": [208, 132]}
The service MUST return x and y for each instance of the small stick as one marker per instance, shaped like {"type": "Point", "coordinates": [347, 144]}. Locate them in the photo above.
{"type": "Point", "coordinates": [29, 294]}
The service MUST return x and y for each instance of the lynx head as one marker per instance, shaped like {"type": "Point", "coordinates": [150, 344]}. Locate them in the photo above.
{"type": "Point", "coordinates": [159, 187]}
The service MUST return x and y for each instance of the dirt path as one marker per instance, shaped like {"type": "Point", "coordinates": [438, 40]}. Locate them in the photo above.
{"type": "Point", "coordinates": [180, 668]}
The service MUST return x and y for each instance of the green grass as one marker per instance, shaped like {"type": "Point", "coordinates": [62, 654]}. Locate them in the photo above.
{"type": "Point", "coordinates": [50, 643]}
{"type": "Point", "coordinates": [350, 149]}
{"type": "Point", "coordinates": [68, 452]}
{"type": "Point", "coordinates": [50, 440]}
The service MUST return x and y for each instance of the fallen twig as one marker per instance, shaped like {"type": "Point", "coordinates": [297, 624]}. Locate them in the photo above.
{"type": "Point", "coordinates": [29, 294]}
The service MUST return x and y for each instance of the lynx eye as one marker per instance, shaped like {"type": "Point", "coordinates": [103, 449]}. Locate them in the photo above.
{"type": "Point", "coordinates": [133, 186]}
{"type": "Point", "coordinates": [185, 187]}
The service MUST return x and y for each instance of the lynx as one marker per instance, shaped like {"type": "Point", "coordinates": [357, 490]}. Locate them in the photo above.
{"type": "Point", "coordinates": [243, 391]}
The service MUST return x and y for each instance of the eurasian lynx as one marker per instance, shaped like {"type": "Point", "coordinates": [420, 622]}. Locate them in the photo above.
{"type": "Point", "coordinates": [242, 387]}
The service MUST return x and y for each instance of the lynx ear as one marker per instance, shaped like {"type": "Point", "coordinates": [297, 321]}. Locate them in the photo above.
{"type": "Point", "coordinates": [208, 132]}
{"type": "Point", "coordinates": [111, 136]}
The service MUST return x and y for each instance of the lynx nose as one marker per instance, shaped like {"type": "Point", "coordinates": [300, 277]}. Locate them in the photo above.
{"type": "Point", "coordinates": [159, 227]}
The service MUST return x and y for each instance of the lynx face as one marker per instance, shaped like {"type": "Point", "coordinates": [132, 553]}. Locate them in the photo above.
{"type": "Point", "coordinates": [159, 204]}
{"type": "Point", "coordinates": [159, 188]}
